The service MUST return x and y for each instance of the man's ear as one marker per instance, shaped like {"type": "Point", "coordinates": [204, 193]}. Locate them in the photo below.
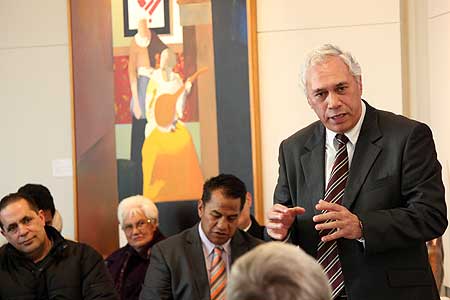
{"type": "Point", "coordinates": [41, 216]}
{"type": "Point", "coordinates": [309, 101]}
{"type": "Point", "coordinates": [249, 199]}
{"type": "Point", "coordinates": [200, 208]}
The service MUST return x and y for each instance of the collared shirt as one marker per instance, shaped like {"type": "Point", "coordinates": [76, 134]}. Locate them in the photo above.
{"type": "Point", "coordinates": [208, 250]}
{"type": "Point", "coordinates": [331, 144]}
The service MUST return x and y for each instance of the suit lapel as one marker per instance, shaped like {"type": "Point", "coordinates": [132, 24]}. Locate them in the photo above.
{"type": "Point", "coordinates": [238, 246]}
{"type": "Point", "coordinates": [194, 252]}
{"type": "Point", "coordinates": [366, 151]}
{"type": "Point", "coordinates": [313, 163]}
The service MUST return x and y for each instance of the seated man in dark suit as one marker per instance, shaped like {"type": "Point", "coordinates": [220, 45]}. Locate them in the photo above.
{"type": "Point", "coordinates": [194, 263]}
{"type": "Point", "coordinates": [247, 221]}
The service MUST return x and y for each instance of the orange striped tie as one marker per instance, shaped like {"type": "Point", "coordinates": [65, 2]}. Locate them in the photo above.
{"type": "Point", "coordinates": [218, 281]}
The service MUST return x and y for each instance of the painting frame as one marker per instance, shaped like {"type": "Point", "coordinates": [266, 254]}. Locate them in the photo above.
{"type": "Point", "coordinates": [94, 161]}
{"type": "Point", "coordinates": [128, 31]}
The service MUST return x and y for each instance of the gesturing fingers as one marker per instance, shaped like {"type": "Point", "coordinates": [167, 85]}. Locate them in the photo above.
{"type": "Point", "coordinates": [327, 206]}
{"type": "Point", "coordinates": [327, 216]}
{"type": "Point", "coordinates": [338, 220]}
{"type": "Point", "coordinates": [333, 235]}
{"type": "Point", "coordinates": [280, 219]}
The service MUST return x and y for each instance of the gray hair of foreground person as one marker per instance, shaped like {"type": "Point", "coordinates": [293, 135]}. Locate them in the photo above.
{"type": "Point", "coordinates": [135, 205]}
{"type": "Point", "coordinates": [321, 54]}
{"type": "Point", "coordinates": [274, 271]}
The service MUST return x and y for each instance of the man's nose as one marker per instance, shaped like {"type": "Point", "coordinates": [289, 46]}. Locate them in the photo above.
{"type": "Point", "coordinates": [333, 100]}
{"type": "Point", "coordinates": [22, 229]}
{"type": "Point", "coordinates": [222, 223]}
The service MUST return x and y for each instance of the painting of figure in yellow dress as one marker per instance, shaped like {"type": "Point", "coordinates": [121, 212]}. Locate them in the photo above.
{"type": "Point", "coordinates": [170, 166]}
{"type": "Point", "coordinates": [173, 131]}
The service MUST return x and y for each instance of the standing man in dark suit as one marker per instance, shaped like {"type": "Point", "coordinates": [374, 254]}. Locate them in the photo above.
{"type": "Point", "coordinates": [363, 184]}
{"type": "Point", "coordinates": [194, 263]}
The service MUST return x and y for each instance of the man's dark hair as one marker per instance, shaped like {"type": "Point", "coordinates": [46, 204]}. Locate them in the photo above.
{"type": "Point", "coordinates": [41, 195]}
{"type": "Point", "coordinates": [14, 197]}
{"type": "Point", "coordinates": [230, 186]}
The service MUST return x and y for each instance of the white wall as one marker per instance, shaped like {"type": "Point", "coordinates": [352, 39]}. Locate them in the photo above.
{"type": "Point", "coordinates": [439, 107]}
{"type": "Point", "coordinates": [288, 29]}
{"type": "Point", "coordinates": [35, 123]}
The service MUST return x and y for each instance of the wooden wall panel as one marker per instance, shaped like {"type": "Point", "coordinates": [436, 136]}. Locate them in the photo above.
{"type": "Point", "coordinates": [93, 113]}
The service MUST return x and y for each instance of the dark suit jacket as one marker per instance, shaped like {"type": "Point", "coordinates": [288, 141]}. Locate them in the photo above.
{"type": "Point", "coordinates": [396, 190]}
{"type": "Point", "coordinates": [177, 268]}
{"type": "Point", "coordinates": [255, 229]}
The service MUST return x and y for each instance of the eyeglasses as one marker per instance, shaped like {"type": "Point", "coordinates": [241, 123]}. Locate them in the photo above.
{"type": "Point", "coordinates": [140, 225]}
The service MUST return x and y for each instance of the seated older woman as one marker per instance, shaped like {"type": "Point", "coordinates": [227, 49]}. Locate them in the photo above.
{"type": "Point", "coordinates": [138, 217]}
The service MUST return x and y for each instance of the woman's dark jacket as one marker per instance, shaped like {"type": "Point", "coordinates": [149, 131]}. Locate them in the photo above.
{"type": "Point", "coordinates": [128, 268]}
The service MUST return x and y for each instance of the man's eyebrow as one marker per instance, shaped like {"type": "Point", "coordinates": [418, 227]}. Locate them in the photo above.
{"type": "Point", "coordinates": [319, 90]}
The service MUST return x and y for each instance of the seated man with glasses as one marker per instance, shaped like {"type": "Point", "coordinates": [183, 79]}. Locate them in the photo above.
{"type": "Point", "coordinates": [138, 217]}
{"type": "Point", "coordinates": [38, 263]}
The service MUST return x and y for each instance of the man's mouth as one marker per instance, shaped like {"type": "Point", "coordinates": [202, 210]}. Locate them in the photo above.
{"type": "Point", "coordinates": [220, 233]}
{"type": "Point", "coordinates": [27, 242]}
{"type": "Point", "coordinates": [338, 117]}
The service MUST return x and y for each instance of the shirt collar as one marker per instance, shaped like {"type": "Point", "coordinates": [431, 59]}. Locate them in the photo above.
{"type": "Point", "coordinates": [210, 246]}
{"type": "Point", "coordinates": [353, 133]}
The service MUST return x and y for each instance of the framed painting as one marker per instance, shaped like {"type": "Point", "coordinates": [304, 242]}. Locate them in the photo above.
{"type": "Point", "coordinates": [216, 128]}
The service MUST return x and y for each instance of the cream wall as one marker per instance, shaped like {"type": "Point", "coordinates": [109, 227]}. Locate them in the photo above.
{"type": "Point", "coordinates": [288, 29]}
{"type": "Point", "coordinates": [35, 124]}
{"type": "Point", "coordinates": [438, 18]}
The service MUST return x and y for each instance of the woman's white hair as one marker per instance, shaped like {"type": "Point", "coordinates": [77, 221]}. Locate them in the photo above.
{"type": "Point", "coordinates": [277, 270]}
{"type": "Point", "coordinates": [137, 204]}
{"type": "Point", "coordinates": [321, 54]}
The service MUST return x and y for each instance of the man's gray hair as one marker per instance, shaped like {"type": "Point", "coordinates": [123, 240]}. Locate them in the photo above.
{"type": "Point", "coordinates": [277, 270]}
{"type": "Point", "coordinates": [321, 53]}
{"type": "Point", "coordinates": [137, 204]}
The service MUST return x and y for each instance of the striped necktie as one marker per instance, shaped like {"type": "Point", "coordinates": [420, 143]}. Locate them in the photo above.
{"type": "Point", "coordinates": [327, 253]}
{"type": "Point", "coordinates": [218, 281]}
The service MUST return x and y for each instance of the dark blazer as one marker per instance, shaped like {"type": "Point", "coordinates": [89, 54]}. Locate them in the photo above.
{"type": "Point", "coordinates": [396, 190]}
{"type": "Point", "coordinates": [255, 229]}
{"type": "Point", "coordinates": [177, 268]}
